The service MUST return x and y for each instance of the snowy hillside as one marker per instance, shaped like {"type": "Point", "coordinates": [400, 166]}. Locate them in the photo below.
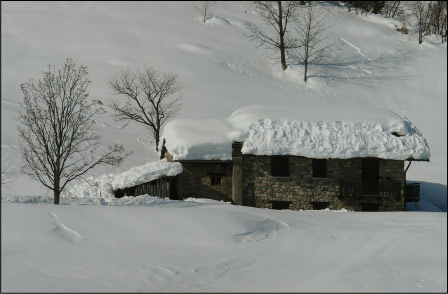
{"type": "Point", "coordinates": [370, 64]}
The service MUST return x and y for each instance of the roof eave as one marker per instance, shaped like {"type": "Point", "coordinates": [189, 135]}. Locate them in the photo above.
{"type": "Point", "coordinates": [413, 159]}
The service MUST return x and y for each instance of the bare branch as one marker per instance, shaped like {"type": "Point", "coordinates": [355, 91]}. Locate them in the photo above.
{"type": "Point", "coordinates": [149, 98]}
{"type": "Point", "coordinates": [310, 30]}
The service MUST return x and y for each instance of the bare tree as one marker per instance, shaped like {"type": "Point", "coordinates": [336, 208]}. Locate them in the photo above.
{"type": "Point", "coordinates": [349, 3]}
{"type": "Point", "coordinates": [437, 18]}
{"type": "Point", "coordinates": [278, 15]}
{"type": "Point", "coordinates": [57, 142]}
{"type": "Point", "coordinates": [204, 8]}
{"type": "Point", "coordinates": [149, 98]}
{"type": "Point", "coordinates": [311, 30]}
{"type": "Point", "coordinates": [391, 8]}
{"type": "Point", "coordinates": [420, 16]}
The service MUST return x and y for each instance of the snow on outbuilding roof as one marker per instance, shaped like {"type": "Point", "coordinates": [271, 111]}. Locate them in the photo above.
{"type": "Point", "coordinates": [104, 185]}
{"type": "Point", "coordinates": [334, 132]}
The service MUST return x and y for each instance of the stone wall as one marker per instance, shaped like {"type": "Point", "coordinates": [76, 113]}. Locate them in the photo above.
{"type": "Point", "coordinates": [195, 180]}
{"type": "Point", "coordinates": [301, 189]}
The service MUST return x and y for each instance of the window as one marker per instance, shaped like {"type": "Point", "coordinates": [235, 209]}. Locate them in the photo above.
{"type": "Point", "coordinates": [280, 166]}
{"type": "Point", "coordinates": [320, 205]}
{"type": "Point", "coordinates": [280, 204]}
{"type": "Point", "coordinates": [319, 168]}
{"type": "Point", "coordinates": [215, 180]}
{"type": "Point", "coordinates": [370, 170]}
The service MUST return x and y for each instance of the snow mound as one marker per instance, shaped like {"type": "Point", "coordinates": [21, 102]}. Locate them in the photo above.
{"type": "Point", "coordinates": [146, 200]}
{"type": "Point", "coordinates": [337, 131]}
{"type": "Point", "coordinates": [27, 199]}
{"type": "Point", "coordinates": [257, 228]}
{"type": "Point", "coordinates": [207, 201]}
{"type": "Point", "coordinates": [103, 186]}
{"type": "Point", "coordinates": [64, 232]}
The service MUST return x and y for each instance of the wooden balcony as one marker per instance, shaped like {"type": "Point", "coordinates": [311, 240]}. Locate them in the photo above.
{"type": "Point", "coordinates": [370, 189]}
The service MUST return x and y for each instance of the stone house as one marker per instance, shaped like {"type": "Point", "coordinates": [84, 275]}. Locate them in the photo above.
{"type": "Point", "coordinates": [298, 182]}
{"type": "Point", "coordinates": [305, 167]}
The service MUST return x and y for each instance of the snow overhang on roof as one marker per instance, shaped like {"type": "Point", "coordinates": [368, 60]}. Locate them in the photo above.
{"type": "Point", "coordinates": [104, 185]}
{"type": "Point", "coordinates": [272, 130]}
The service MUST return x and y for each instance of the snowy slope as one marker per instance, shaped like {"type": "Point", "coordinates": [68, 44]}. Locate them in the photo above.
{"type": "Point", "coordinates": [152, 244]}
{"type": "Point", "coordinates": [371, 64]}
{"type": "Point", "coordinates": [208, 246]}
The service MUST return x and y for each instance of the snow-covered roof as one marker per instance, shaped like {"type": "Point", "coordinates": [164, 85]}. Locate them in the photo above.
{"type": "Point", "coordinates": [335, 132]}
{"type": "Point", "coordinates": [107, 183]}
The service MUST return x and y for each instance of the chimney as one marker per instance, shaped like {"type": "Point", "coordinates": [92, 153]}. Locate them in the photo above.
{"type": "Point", "coordinates": [237, 175]}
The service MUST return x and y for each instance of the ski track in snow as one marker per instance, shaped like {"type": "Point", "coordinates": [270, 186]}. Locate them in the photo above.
{"type": "Point", "coordinates": [194, 48]}
{"type": "Point", "coordinates": [266, 79]}
{"type": "Point", "coordinates": [354, 47]}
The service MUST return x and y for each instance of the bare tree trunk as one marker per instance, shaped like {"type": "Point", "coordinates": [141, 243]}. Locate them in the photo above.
{"type": "Point", "coordinates": [306, 69]}
{"type": "Point", "coordinates": [281, 35]}
{"type": "Point", "coordinates": [56, 196]}
{"type": "Point", "coordinates": [420, 35]}
{"type": "Point", "coordinates": [56, 187]}
{"type": "Point", "coordinates": [157, 137]}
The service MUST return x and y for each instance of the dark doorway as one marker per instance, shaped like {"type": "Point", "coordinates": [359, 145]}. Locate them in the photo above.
{"type": "Point", "coordinates": [320, 205]}
{"type": "Point", "coordinates": [370, 170]}
{"type": "Point", "coordinates": [370, 176]}
{"type": "Point", "coordinates": [280, 204]}
{"type": "Point", "coordinates": [215, 180]}
{"type": "Point", "coordinates": [370, 207]}
{"type": "Point", "coordinates": [173, 189]}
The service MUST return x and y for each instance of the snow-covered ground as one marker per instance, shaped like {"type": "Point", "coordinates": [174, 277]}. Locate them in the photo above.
{"type": "Point", "coordinates": [197, 245]}
{"type": "Point", "coordinates": [147, 244]}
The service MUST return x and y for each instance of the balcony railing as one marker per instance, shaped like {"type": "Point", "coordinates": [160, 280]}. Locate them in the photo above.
{"type": "Point", "coordinates": [374, 189]}
{"type": "Point", "coordinates": [412, 192]}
